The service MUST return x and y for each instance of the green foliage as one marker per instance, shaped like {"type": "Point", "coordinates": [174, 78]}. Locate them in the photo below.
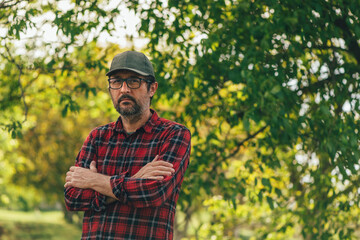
{"type": "Point", "coordinates": [52, 137]}
{"type": "Point", "coordinates": [23, 69]}
{"type": "Point", "coordinates": [284, 78]}
{"type": "Point", "coordinates": [269, 90]}
{"type": "Point", "coordinates": [43, 86]}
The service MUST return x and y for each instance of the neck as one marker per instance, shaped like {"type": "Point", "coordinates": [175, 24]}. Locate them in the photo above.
{"type": "Point", "coordinates": [132, 123]}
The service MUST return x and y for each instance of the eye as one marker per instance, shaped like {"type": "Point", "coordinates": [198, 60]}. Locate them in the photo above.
{"type": "Point", "coordinates": [116, 80]}
{"type": "Point", "coordinates": [134, 81]}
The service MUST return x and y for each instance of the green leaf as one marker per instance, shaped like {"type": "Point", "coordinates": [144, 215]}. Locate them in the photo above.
{"type": "Point", "coordinates": [13, 134]}
{"type": "Point", "coordinates": [266, 183]}
{"type": "Point", "coordinates": [275, 90]}
{"type": "Point", "coordinates": [65, 110]}
{"type": "Point", "coordinates": [270, 202]}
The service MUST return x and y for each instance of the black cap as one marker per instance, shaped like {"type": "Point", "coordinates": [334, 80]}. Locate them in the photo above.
{"type": "Point", "coordinates": [133, 61]}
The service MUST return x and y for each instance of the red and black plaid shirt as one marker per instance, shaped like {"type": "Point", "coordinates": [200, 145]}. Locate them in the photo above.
{"type": "Point", "coordinates": [146, 208]}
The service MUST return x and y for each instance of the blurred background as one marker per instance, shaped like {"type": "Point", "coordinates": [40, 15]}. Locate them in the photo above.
{"type": "Point", "coordinates": [268, 88]}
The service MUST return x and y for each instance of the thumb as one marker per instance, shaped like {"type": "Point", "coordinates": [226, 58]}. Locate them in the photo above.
{"type": "Point", "coordinates": [156, 158]}
{"type": "Point", "coordinates": [93, 166]}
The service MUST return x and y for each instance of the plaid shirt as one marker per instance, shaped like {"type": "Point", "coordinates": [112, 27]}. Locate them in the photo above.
{"type": "Point", "coordinates": [146, 208]}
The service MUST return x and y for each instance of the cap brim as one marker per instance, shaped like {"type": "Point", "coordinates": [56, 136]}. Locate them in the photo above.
{"type": "Point", "coordinates": [130, 69]}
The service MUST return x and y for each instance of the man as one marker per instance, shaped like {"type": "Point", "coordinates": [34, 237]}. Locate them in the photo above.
{"type": "Point", "coordinates": [128, 173]}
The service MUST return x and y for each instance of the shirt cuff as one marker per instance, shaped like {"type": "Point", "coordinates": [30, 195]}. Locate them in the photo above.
{"type": "Point", "coordinates": [116, 183]}
{"type": "Point", "coordinates": [99, 202]}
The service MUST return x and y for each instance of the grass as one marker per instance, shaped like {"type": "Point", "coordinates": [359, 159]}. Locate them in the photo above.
{"type": "Point", "coordinates": [37, 225]}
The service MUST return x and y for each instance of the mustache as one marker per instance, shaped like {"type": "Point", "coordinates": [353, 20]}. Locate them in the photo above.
{"type": "Point", "coordinates": [126, 96]}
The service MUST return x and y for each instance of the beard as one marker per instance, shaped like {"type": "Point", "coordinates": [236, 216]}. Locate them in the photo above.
{"type": "Point", "coordinates": [130, 110]}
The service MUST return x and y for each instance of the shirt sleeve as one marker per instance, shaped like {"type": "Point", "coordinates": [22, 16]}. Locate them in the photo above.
{"type": "Point", "coordinates": [140, 192]}
{"type": "Point", "coordinates": [77, 199]}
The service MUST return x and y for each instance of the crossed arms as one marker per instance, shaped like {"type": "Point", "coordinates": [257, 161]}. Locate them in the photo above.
{"type": "Point", "coordinates": [85, 178]}
{"type": "Point", "coordinates": [86, 189]}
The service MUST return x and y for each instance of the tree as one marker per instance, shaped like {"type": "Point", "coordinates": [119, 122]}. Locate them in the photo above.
{"type": "Point", "coordinates": [280, 78]}
{"type": "Point", "coordinates": [51, 137]}
{"type": "Point", "coordinates": [24, 23]}
{"type": "Point", "coordinates": [42, 81]}
{"type": "Point", "coordinates": [269, 89]}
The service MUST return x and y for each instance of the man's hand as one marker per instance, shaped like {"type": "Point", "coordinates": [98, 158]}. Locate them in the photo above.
{"type": "Point", "coordinates": [155, 170]}
{"type": "Point", "coordinates": [93, 167]}
{"type": "Point", "coordinates": [80, 177]}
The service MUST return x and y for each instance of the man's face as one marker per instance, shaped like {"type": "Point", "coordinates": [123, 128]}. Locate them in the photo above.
{"type": "Point", "coordinates": [131, 102]}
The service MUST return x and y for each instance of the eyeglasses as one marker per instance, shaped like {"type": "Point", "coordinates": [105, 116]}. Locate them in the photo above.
{"type": "Point", "coordinates": [131, 82]}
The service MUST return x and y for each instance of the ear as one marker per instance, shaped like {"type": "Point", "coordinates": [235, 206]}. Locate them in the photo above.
{"type": "Point", "coordinates": [153, 88]}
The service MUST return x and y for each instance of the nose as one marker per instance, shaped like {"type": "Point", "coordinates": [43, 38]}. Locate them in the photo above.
{"type": "Point", "coordinates": [124, 88]}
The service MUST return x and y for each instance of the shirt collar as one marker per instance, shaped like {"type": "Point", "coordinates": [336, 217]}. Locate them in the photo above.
{"type": "Point", "coordinates": [148, 126]}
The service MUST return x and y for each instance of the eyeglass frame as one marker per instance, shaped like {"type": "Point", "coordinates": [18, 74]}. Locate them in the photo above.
{"type": "Point", "coordinates": [126, 80]}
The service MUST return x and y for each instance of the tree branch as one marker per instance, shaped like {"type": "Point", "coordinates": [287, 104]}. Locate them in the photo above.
{"type": "Point", "coordinates": [236, 150]}
{"type": "Point", "coordinates": [351, 41]}
{"type": "Point", "coordinates": [322, 47]}
{"type": "Point", "coordinates": [8, 3]}
{"type": "Point", "coordinates": [11, 59]}
{"type": "Point", "coordinates": [318, 84]}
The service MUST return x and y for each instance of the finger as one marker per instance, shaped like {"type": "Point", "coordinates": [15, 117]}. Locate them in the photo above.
{"type": "Point", "coordinates": [68, 184]}
{"type": "Point", "coordinates": [156, 158]}
{"type": "Point", "coordinates": [93, 166]}
{"type": "Point", "coordinates": [68, 179]}
{"type": "Point", "coordinates": [156, 177]}
{"type": "Point", "coordinates": [164, 168]}
{"type": "Point", "coordinates": [162, 173]}
{"type": "Point", "coordinates": [72, 169]}
{"type": "Point", "coordinates": [162, 163]}
{"type": "Point", "coordinates": [157, 173]}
